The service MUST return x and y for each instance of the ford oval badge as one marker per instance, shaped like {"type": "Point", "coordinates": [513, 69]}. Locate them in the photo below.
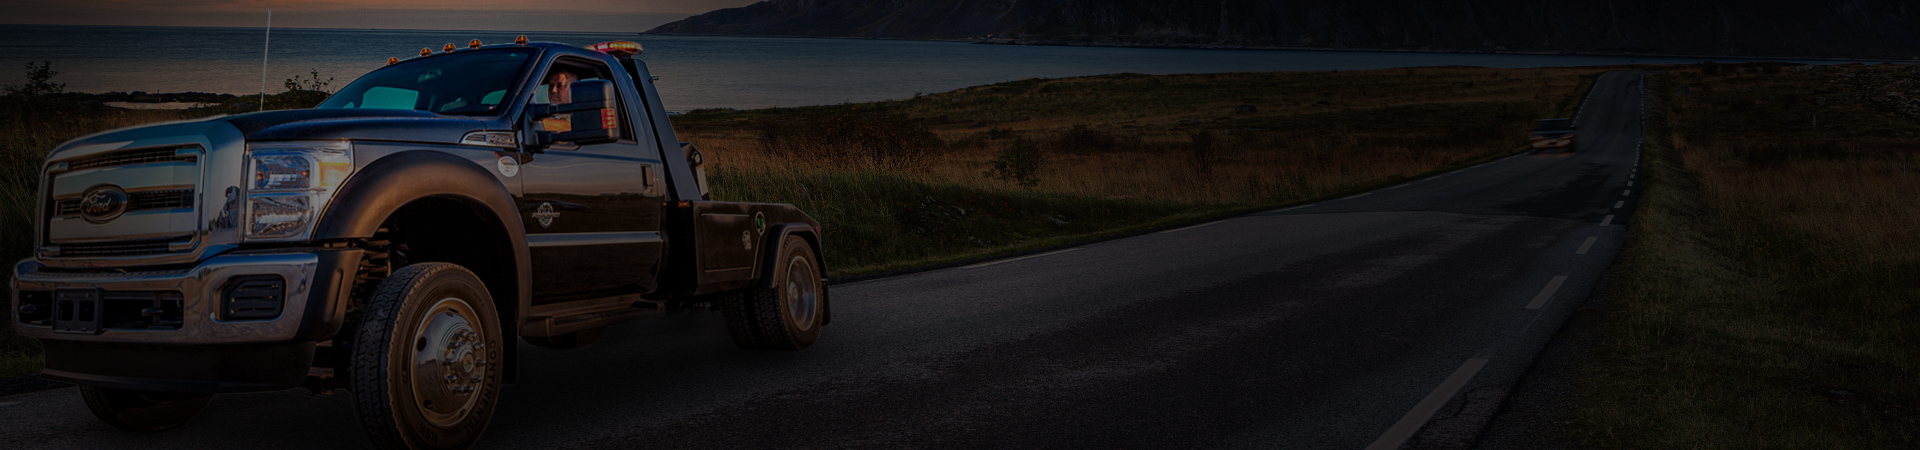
{"type": "Point", "coordinates": [103, 203]}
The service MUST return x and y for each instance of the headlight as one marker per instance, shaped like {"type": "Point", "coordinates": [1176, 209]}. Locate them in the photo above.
{"type": "Point", "coordinates": [290, 183]}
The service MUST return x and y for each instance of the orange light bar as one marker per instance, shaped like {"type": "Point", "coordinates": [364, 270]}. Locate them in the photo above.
{"type": "Point", "coordinates": [425, 51]}
{"type": "Point", "coordinates": [393, 60]}
{"type": "Point", "coordinates": [522, 40]}
{"type": "Point", "coordinates": [617, 48]}
{"type": "Point", "coordinates": [474, 44]}
{"type": "Point", "coordinates": [448, 48]}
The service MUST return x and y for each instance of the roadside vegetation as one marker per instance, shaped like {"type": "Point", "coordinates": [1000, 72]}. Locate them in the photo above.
{"type": "Point", "coordinates": [994, 169]}
{"type": "Point", "coordinates": [1767, 298]}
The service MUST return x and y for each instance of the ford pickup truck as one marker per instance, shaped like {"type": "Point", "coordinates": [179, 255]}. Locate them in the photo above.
{"type": "Point", "coordinates": [1552, 133]}
{"type": "Point", "coordinates": [395, 242]}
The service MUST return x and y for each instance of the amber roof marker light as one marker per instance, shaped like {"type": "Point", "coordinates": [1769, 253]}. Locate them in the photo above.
{"type": "Point", "coordinates": [393, 60]}
{"type": "Point", "coordinates": [448, 48]}
{"type": "Point", "coordinates": [522, 40]}
{"type": "Point", "coordinates": [474, 44]}
{"type": "Point", "coordinates": [425, 51]}
{"type": "Point", "coordinates": [617, 48]}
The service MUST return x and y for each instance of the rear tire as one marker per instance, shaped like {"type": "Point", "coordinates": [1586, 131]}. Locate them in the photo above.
{"type": "Point", "coordinates": [786, 317]}
{"type": "Point", "coordinates": [144, 411]}
{"type": "Point", "coordinates": [427, 359]}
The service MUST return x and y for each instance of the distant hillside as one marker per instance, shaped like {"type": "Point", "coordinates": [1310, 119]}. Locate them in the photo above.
{"type": "Point", "coordinates": [1852, 28]}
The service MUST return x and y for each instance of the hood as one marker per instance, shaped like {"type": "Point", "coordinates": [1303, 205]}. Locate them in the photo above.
{"type": "Point", "coordinates": [371, 124]}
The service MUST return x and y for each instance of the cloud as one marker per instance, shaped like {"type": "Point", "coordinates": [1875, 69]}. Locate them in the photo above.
{"type": "Point", "coordinates": [573, 15]}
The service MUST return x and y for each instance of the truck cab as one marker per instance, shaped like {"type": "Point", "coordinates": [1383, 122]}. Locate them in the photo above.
{"type": "Point", "coordinates": [395, 241]}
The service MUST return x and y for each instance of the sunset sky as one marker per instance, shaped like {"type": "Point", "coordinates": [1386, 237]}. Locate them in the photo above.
{"type": "Point", "coordinates": [558, 15]}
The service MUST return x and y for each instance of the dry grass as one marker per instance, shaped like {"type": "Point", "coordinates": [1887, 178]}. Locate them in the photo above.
{"type": "Point", "coordinates": [1768, 296]}
{"type": "Point", "coordinates": [1127, 144]}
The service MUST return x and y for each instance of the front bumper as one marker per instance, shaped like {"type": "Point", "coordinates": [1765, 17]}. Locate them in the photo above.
{"type": "Point", "coordinates": [205, 352]}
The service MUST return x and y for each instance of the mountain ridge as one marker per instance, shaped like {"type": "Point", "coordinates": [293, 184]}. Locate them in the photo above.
{"type": "Point", "coordinates": [1878, 29]}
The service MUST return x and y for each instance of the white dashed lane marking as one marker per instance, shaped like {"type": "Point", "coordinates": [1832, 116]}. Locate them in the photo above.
{"type": "Point", "coordinates": [1547, 293]}
{"type": "Point", "coordinates": [1588, 245]}
{"type": "Point", "coordinates": [1410, 423]}
{"type": "Point", "coordinates": [1607, 221]}
{"type": "Point", "coordinates": [1618, 204]}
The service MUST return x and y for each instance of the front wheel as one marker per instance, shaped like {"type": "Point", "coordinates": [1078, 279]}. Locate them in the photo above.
{"type": "Point", "coordinates": [786, 317]}
{"type": "Point", "coordinates": [427, 359]}
{"type": "Point", "coordinates": [142, 410]}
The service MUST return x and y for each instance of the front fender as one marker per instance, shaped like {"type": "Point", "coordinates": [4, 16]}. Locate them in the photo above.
{"type": "Point", "coordinates": [387, 184]}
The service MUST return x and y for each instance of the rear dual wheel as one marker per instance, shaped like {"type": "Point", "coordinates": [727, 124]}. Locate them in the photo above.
{"type": "Point", "coordinates": [787, 316]}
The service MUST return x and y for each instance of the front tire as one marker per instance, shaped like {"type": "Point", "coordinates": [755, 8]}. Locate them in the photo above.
{"type": "Point", "coordinates": [427, 359]}
{"type": "Point", "coordinates": [786, 317]}
{"type": "Point", "coordinates": [142, 410]}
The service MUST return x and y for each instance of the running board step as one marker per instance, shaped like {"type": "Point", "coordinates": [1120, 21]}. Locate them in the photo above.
{"type": "Point", "coordinates": [556, 326]}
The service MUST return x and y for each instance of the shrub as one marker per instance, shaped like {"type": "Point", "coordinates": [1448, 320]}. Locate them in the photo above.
{"type": "Point", "coordinates": [1201, 147]}
{"type": "Point", "coordinates": [1018, 164]}
{"type": "Point", "coordinates": [1081, 140]}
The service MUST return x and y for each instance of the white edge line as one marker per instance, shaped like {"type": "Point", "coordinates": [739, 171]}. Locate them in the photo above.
{"type": "Point", "coordinates": [1417, 418]}
{"type": "Point", "coordinates": [1288, 209]}
{"type": "Point", "coordinates": [1588, 245]}
{"type": "Point", "coordinates": [1188, 227]}
{"type": "Point", "coordinates": [9, 403]}
{"type": "Point", "coordinates": [984, 264]}
{"type": "Point", "coordinates": [1547, 292]}
{"type": "Point", "coordinates": [1363, 194]}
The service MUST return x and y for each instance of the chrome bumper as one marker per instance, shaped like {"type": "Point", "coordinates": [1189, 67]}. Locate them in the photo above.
{"type": "Point", "coordinates": [313, 279]}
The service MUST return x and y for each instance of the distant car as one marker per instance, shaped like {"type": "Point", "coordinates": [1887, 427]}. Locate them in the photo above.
{"type": "Point", "coordinates": [1552, 133]}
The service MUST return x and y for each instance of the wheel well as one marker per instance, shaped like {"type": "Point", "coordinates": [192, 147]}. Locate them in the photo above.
{"type": "Point", "coordinates": [464, 232]}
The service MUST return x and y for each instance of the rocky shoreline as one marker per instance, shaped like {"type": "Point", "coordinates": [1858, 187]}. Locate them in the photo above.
{"type": "Point", "coordinates": [88, 100]}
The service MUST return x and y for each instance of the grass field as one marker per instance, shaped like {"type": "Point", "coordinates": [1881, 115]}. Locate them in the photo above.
{"type": "Point", "coordinates": [903, 183]}
{"type": "Point", "coordinates": [1116, 152]}
{"type": "Point", "coordinates": [1768, 296]}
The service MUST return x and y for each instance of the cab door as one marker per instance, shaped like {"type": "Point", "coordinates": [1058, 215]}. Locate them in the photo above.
{"type": "Point", "coordinates": [593, 212]}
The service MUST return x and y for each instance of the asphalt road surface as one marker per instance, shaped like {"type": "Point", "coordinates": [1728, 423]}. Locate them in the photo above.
{"type": "Point", "coordinates": [1395, 317]}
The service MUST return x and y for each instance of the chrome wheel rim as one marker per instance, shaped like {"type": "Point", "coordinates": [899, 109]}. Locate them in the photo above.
{"type": "Point", "coordinates": [802, 296]}
{"type": "Point", "coordinates": [449, 362]}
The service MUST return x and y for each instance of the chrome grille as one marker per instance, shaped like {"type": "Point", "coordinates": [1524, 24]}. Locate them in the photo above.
{"type": "Point", "coordinates": [118, 248]}
{"type": "Point", "coordinates": [138, 201]}
{"type": "Point", "coordinates": [128, 158]}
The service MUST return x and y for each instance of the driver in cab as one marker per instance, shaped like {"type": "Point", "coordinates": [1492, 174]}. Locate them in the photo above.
{"type": "Point", "coordinates": [559, 92]}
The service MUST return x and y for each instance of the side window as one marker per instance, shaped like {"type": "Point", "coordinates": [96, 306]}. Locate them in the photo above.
{"type": "Point", "coordinates": [559, 78]}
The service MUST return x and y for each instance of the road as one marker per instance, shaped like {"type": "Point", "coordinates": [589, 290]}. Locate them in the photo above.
{"type": "Point", "coordinates": [1396, 316]}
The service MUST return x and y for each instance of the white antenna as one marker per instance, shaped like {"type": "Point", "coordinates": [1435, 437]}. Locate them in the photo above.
{"type": "Point", "coordinates": [263, 60]}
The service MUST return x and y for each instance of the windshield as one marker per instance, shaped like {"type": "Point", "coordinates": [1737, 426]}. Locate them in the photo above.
{"type": "Point", "coordinates": [1553, 125]}
{"type": "Point", "coordinates": [467, 84]}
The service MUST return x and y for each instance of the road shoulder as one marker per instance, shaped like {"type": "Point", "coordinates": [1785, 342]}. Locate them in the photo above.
{"type": "Point", "coordinates": [1538, 412]}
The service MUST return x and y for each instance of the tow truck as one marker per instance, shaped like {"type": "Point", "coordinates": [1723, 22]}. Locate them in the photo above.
{"type": "Point", "coordinates": [396, 241]}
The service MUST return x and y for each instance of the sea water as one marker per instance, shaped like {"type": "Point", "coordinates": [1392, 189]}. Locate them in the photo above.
{"type": "Point", "coordinates": [694, 71]}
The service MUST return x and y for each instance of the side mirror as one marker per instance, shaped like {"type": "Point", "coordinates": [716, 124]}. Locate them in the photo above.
{"type": "Point", "coordinates": [594, 115]}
